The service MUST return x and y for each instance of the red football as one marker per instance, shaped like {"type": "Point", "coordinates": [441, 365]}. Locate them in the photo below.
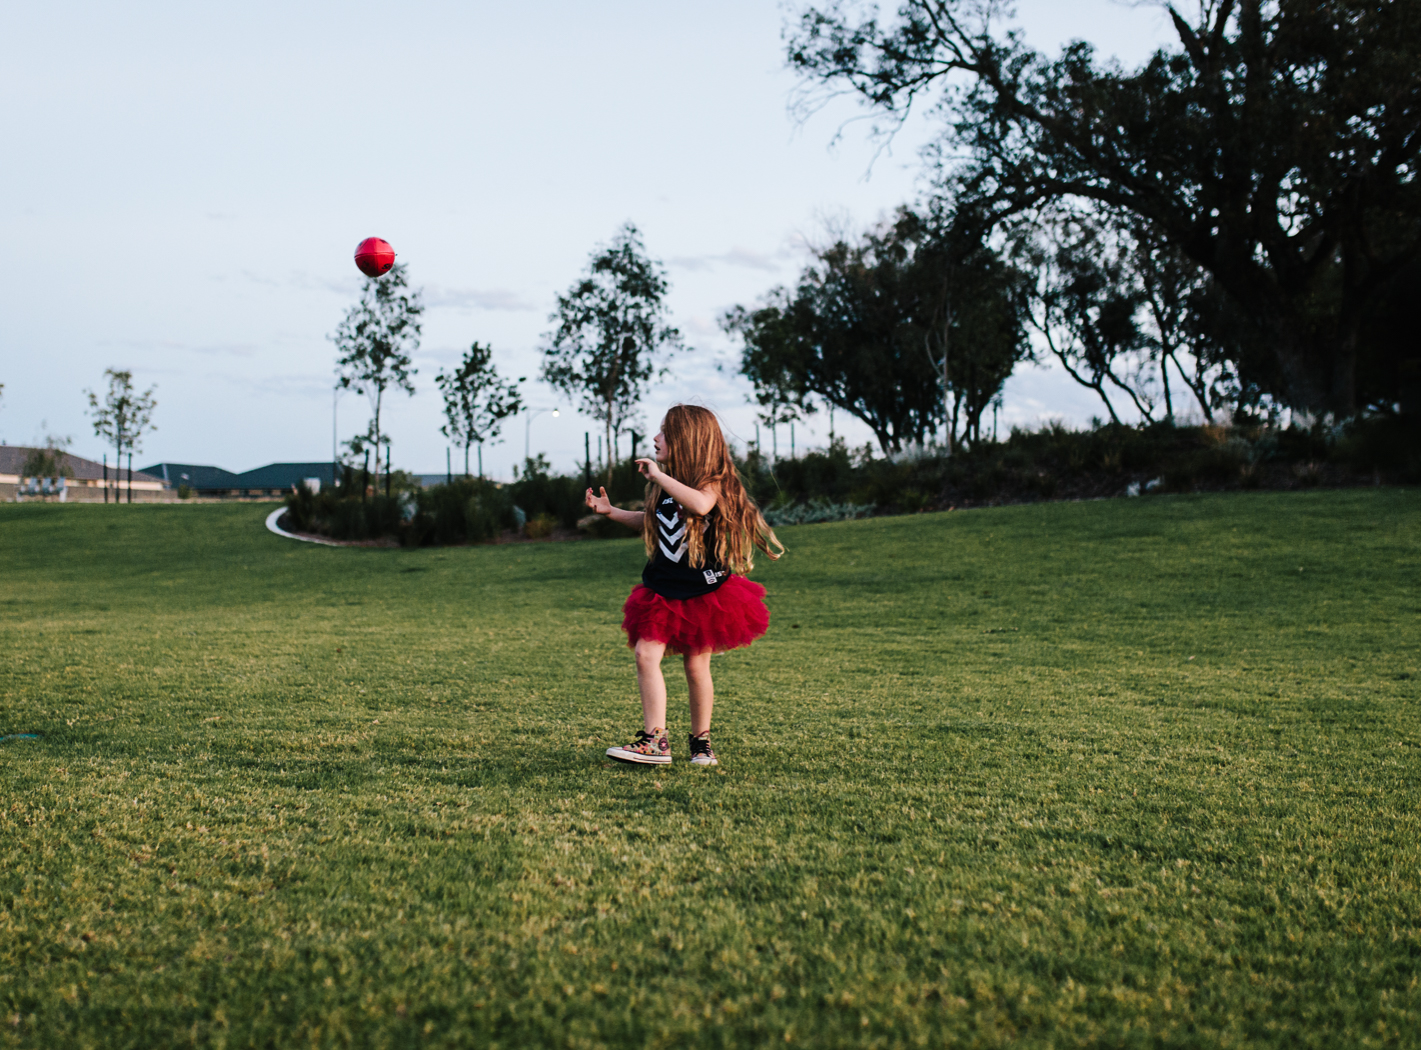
{"type": "Point", "coordinates": [374, 256]}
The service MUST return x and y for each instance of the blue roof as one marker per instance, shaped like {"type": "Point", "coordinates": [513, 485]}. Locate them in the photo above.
{"type": "Point", "coordinates": [284, 475]}
{"type": "Point", "coordinates": [199, 477]}
{"type": "Point", "coordinates": [215, 479]}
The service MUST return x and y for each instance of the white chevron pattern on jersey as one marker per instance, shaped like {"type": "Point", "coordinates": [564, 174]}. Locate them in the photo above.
{"type": "Point", "coordinates": [668, 533]}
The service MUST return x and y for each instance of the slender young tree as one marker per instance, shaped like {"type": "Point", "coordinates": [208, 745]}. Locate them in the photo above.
{"type": "Point", "coordinates": [375, 341]}
{"type": "Point", "coordinates": [611, 327]}
{"type": "Point", "coordinates": [476, 401]}
{"type": "Point", "coordinates": [122, 416]}
{"type": "Point", "coordinates": [49, 461]}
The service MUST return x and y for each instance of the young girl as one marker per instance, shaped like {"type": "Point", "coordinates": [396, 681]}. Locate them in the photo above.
{"type": "Point", "coordinates": [700, 528]}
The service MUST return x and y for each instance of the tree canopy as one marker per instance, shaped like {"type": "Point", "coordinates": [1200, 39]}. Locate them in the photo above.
{"type": "Point", "coordinates": [1274, 147]}
{"type": "Point", "coordinates": [375, 341]}
{"type": "Point", "coordinates": [912, 324]}
{"type": "Point", "coordinates": [476, 400]}
{"type": "Point", "coordinates": [123, 415]}
{"type": "Point", "coordinates": [611, 326]}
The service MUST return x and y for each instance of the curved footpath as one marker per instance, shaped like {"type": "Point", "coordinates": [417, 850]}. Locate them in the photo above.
{"type": "Point", "coordinates": [275, 516]}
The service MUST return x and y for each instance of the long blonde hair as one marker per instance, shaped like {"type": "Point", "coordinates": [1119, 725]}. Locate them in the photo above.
{"type": "Point", "coordinates": [696, 455]}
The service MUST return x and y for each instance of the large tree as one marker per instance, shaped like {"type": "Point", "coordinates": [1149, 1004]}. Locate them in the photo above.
{"type": "Point", "coordinates": [375, 342]}
{"type": "Point", "coordinates": [476, 401]}
{"type": "Point", "coordinates": [1194, 327]}
{"type": "Point", "coordinates": [122, 416]}
{"type": "Point", "coordinates": [968, 302]}
{"type": "Point", "coordinates": [905, 327]}
{"type": "Point", "coordinates": [611, 328]}
{"type": "Point", "coordinates": [1275, 146]}
{"type": "Point", "coordinates": [1085, 304]}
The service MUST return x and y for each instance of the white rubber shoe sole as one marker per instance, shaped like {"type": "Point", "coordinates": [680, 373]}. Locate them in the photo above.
{"type": "Point", "coordinates": [623, 755]}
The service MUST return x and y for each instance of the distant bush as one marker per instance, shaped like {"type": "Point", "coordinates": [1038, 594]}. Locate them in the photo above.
{"type": "Point", "coordinates": [47, 462]}
{"type": "Point", "coordinates": [835, 484]}
{"type": "Point", "coordinates": [1055, 462]}
{"type": "Point", "coordinates": [816, 511]}
{"type": "Point", "coordinates": [465, 511]}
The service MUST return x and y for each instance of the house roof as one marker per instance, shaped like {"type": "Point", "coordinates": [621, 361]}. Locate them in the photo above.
{"type": "Point", "coordinates": [200, 477]}
{"type": "Point", "coordinates": [12, 461]}
{"type": "Point", "coordinates": [211, 479]}
{"type": "Point", "coordinates": [284, 475]}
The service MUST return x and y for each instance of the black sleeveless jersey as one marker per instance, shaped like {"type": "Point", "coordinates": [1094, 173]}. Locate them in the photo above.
{"type": "Point", "coordinates": [669, 573]}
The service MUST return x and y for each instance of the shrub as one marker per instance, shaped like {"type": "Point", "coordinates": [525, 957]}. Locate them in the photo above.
{"type": "Point", "coordinates": [600, 527]}
{"type": "Point", "coordinates": [832, 484]}
{"type": "Point", "coordinates": [817, 511]}
{"type": "Point", "coordinates": [465, 511]}
{"type": "Point", "coordinates": [1391, 443]}
{"type": "Point", "coordinates": [537, 491]}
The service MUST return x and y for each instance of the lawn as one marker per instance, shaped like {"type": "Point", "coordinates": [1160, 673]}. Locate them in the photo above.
{"type": "Point", "coordinates": [1124, 773]}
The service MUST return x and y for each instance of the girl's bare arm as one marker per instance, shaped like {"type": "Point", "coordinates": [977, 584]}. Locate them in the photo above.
{"type": "Point", "coordinates": [632, 519]}
{"type": "Point", "coordinates": [699, 502]}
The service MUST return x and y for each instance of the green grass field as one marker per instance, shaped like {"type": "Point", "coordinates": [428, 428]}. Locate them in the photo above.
{"type": "Point", "coordinates": [1127, 773]}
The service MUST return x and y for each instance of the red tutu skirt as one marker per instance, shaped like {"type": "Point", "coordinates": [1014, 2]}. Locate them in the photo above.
{"type": "Point", "coordinates": [730, 616]}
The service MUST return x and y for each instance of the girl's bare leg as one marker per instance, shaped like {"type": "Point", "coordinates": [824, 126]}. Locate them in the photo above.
{"type": "Point", "coordinates": [698, 679]}
{"type": "Point", "coordinates": [651, 683]}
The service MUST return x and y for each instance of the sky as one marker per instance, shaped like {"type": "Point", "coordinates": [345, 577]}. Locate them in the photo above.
{"type": "Point", "coordinates": [184, 186]}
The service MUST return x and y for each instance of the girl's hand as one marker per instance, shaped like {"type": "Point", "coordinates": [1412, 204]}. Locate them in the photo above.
{"type": "Point", "coordinates": [651, 470]}
{"type": "Point", "coordinates": [600, 504]}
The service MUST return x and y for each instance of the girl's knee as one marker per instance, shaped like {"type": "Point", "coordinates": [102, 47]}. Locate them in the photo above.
{"type": "Point", "coordinates": [698, 665]}
{"type": "Point", "coordinates": [648, 654]}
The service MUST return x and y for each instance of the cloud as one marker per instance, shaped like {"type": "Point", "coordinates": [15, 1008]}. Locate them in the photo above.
{"type": "Point", "coordinates": [475, 299]}
{"type": "Point", "coordinates": [223, 349]}
{"type": "Point", "coordinates": [297, 384]}
{"type": "Point", "coordinates": [303, 281]}
{"type": "Point", "coordinates": [435, 297]}
{"type": "Point", "coordinates": [230, 349]}
{"type": "Point", "coordinates": [741, 257]}
{"type": "Point", "coordinates": [705, 327]}
{"type": "Point", "coordinates": [442, 355]}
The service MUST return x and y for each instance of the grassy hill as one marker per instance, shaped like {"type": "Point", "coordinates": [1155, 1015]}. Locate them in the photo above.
{"type": "Point", "coordinates": [1133, 772]}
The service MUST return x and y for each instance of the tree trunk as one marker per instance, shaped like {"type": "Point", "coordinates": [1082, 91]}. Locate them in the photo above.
{"type": "Point", "coordinates": [1196, 386]}
{"type": "Point", "coordinates": [1164, 377]}
{"type": "Point", "coordinates": [946, 389]}
{"type": "Point", "coordinates": [379, 393]}
{"type": "Point", "coordinates": [610, 453]}
{"type": "Point", "coordinates": [1316, 362]}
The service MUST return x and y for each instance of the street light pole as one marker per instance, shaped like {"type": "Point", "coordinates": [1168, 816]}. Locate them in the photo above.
{"type": "Point", "coordinates": [335, 432]}
{"type": "Point", "coordinates": [528, 430]}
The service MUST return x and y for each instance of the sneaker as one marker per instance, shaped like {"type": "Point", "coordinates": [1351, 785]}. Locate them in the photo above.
{"type": "Point", "coordinates": [701, 753]}
{"type": "Point", "coordinates": [651, 748]}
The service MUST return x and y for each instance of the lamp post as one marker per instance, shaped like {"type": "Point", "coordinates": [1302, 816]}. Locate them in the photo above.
{"type": "Point", "coordinates": [335, 432]}
{"type": "Point", "coordinates": [528, 430]}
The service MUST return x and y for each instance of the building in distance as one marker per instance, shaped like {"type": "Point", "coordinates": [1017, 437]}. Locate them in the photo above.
{"type": "Point", "coordinates": [77, 480]}
{"type": "Point", "coordinates": [273, 481]}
